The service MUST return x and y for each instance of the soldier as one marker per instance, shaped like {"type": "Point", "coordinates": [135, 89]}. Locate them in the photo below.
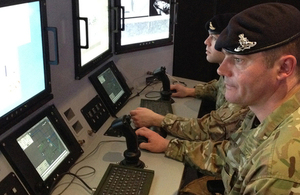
{"type": "Point", "coordinates": [213, 90]}
{"type": "Point", "coordinates": [261, 71]}
{"type": "Point", "coordinates": [216, 125]}
{"type": "Point", "coordinates": [219, 123]}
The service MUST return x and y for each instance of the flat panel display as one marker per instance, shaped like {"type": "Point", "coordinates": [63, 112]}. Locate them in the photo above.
{"type": "Point", "coordinates": [24, 68]}
{"type": "Point", "coordinates": [43, 147]}
{"type": "Point", "coordinates": [41, 150]}
{"type": "Point", "coordinates": [92, 34]}
{"type": "Point", "coordinates": [111, 87]}
{"type": "Point", "coordinates": [143, 24]}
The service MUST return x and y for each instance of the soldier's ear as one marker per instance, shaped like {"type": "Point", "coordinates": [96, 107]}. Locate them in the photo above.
{"type": "Point", "coordinates": [287, 66]}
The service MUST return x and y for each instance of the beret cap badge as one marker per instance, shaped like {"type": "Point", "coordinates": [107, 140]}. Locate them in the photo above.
{"type": "Point", "coordinates": [211, 27]}
{"type": "Point", "coordinates": [217, 23]}
{"type": "Point", "coordinates": [270, 25]}
{"type": "Point", "coordinates": [244, 43]}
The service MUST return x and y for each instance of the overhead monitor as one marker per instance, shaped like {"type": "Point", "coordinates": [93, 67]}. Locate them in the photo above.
{"type": "Point", "coordinates": [143, 24]}
{"type": "Point", "coordinates": [92, 34]}
{"type": "Point", "coordinates": [111, 87]}
{"type": "Point", "coordinates": [41, 150]}
{"type": "Point", "coordinates": [24, 68]}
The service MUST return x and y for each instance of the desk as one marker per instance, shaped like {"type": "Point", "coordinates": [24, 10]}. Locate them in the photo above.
{"type": "Point", "coordinates": [168, 172]}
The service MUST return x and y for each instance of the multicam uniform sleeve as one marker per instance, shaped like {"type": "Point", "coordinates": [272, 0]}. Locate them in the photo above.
{"type": "Point", "coordinates": [213, 90]}
{"type": "Point", "coordinates": [207, 90]}
{"type": "Point", "coordinates": [217, 125]}
{"type": "Point", "coordinates": [205, 156]}
{"type": "Point", "coordinates": [272, 186]}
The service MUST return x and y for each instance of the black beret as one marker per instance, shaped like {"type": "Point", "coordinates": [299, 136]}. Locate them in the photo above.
{"type": "Point", "coordinates": [259, 28]}
{"type": "Point", "coordinates": [217, 23]}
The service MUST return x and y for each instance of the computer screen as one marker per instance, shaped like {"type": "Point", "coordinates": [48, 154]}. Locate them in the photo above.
{"type": "Point", "coordinates": [111, 87]}
{"type": "Point", "coordinates": [41, 150]}
{"type": "Point", "coordinates": [43, 147]}
{"type": "Point", "coordinates": [24, 68]}
{"type": "Point", "coordinates": [143, 24]}
{"type": "Point", "coordinates": [92, 34]}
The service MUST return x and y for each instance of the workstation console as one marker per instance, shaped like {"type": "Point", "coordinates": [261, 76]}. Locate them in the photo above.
{"type": "Point", "coordinates": [37, 138]}
{"type": "Point", "coordinates": [114, 146]}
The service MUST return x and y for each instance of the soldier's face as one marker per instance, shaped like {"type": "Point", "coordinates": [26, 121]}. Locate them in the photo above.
{"type": "Point", "coordinates": [212, 55]}
{"type": "Point", "coordinates": [247, 79]}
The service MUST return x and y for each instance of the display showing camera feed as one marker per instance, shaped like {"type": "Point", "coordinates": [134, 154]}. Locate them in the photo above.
{"type": "Point", "coordinates": [97, 12]}
{"type": "Point", "coordinates": [111, 85]}
{"type": "Point", "coordinates": [43, 147]}
{"type": "Point", "coordinates": [145, 20]}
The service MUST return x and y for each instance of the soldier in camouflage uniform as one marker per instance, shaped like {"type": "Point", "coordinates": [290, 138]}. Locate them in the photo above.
{"type": "Point", "coordinates": [261, 69]}
{"type": "Point", "coordinates": [216, 125]}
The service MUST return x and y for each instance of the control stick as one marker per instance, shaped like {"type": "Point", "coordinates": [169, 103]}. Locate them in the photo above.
{"type": "Point", "coordinates": [161, 75]}
{"type": "Point", "coordinates": [121, 126]}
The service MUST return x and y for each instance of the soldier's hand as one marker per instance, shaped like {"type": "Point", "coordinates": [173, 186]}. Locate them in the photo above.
{"type": "Point", "coordinates": [144, 117]}
{"type": "Point", "coordinates": [182, 91]}
{"type": "Point", "coordinates": [156, 143]}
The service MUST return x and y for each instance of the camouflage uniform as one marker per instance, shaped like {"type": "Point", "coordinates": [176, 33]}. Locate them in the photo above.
{"type": "Point", "coordinates": [255, 160]}
{"type": "Point", "coordinates": [216, 125]}
{"type": "Point", "coordinates": [213, 90]}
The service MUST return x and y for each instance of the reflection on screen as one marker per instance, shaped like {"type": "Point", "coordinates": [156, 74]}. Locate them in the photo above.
{"type": "Point", "coordinates": [98, 28]}
{"type": "Point", "coordinates": [44, 148]}
{"type": "Point", "coordinates": [145, 20]}
{"type": "Point", "coordinates": [111, 85]}
{"type": "Point", "coordinates": [22, 64]}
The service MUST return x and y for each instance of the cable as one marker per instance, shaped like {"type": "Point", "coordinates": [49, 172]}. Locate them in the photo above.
{"type": "Point", "coordinates": [75, 175]}
{"type": "Point", "coordinates": [173, 78]}
{"type": "Point", "coordinates": [138, 93]}
{"type": "Point", "coordinates": [79, 184]}
{"type": "Point", "coordinates": [156, 96]}
{"type": "Point", "coordinates": [96, 148]}
{"type": "Point", "coordinates": [176, 81]}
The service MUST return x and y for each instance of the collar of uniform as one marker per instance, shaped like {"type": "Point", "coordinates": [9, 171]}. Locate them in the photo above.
{"type": "Point", "coordinates": [261, 133]}
{"type": "Point", "coordinates": [247, 137]}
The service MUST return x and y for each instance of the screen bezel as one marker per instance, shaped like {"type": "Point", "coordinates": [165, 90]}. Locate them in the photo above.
{"type": "Point", "coordinates": [81, 71]}
{"type": "Point", "coordinates": [21, 163]}
{"type": "Point", "coordinates": [23, 110]}
{"type": "Point", "coordinates": [113, 108]}
{"type": "Point", "coordinates": [119, 49]}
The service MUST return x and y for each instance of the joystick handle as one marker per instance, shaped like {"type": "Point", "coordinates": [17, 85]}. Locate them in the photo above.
{"type": "Point", "coordinates": [132, 154]}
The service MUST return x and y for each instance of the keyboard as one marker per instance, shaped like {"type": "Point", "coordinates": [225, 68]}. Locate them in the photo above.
{"type": "Point", "coordinates": [158, 106]}
{"type": "Point", "coordinates": [122, 180]}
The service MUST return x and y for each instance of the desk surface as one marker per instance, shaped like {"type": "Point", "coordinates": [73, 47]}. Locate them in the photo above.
{"type": "Point", "coordinates": [168, 172]}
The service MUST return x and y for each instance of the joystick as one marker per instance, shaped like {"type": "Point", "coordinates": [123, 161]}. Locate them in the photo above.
{"type": "Point", "coordinates": [166, 93]}
{"type": "Point", "coordinates": [121, 127]}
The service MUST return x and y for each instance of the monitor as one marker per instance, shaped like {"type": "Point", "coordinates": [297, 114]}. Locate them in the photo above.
{"type": "Point", "coordinates": [111, 86]}
{"type": "Point", "coordinates": [92, 34]}
{"type": "Point", "coordinates": [41, 150]}
{"type": "Point", "coordinates": [143, 24]}
{"type": "Point", "coordinates": [24, 68]}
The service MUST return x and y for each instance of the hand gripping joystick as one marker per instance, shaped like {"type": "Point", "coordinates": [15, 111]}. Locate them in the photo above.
{"type": "Point", "coordinates": [132, 154]}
